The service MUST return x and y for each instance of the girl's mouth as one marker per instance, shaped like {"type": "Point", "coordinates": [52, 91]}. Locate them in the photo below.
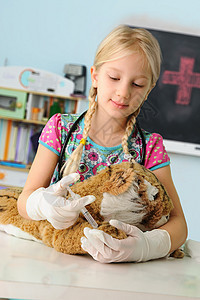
{"type": "Point", "coordinates": [119, 105]}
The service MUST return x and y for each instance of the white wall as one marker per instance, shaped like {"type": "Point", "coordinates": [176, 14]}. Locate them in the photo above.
{"type": "Point", "coordinates": [47, 34]}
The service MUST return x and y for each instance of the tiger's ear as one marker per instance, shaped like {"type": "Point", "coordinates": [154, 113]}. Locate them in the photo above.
{"type": "Point", "coordinates": [119, 181]}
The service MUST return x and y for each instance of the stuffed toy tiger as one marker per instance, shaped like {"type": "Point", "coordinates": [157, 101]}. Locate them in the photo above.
{"type": "Point", "coordinates": [127, 192]}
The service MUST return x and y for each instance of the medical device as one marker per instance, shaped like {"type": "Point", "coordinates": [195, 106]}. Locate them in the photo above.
{"type": "Point", "coordinates": [84, 210]}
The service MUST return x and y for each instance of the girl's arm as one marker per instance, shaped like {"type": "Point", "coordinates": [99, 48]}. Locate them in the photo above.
{"type": "Point", "coordinates": [176, 226]}
{"type": "Point", "coordinates": [39, 175]}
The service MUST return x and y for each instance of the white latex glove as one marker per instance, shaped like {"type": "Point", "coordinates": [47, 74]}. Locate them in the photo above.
{"type": "Point", "coordinates": [138, 246]}
{"type": "Point", "coordinates": [192, 249]}
{"type": "Point", "coordinates": [50, 203]}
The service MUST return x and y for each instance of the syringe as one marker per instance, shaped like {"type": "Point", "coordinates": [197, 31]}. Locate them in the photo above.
{"type": "Point", "coordinates": [84, 210]}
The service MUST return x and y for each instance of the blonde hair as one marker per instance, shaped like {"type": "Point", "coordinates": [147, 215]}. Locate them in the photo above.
{"type": "Point", "coordinates": [122, 41]}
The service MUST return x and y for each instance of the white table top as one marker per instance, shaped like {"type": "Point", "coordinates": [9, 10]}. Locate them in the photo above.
{"type": "Point", "coordinates": [30, 270]}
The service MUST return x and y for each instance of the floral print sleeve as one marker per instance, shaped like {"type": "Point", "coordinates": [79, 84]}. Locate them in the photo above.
{"type": "Point", "coordinates": [51, 134]}
{"type": "Point", "coordinates": [156, 155]}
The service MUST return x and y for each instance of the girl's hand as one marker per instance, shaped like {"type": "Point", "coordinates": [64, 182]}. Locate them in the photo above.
{"type": "Point", "coordinates": [137, 247]}
{"type": "Point", "coordinates": [51, 204]}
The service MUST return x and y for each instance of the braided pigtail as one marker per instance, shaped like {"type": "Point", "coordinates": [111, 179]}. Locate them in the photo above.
{"type": "Point", "coordinates": [73, 162]}
{"type": "Point", "coordinates": [90, 112]}
{"type": "Point", "coordinates": [129, 128]}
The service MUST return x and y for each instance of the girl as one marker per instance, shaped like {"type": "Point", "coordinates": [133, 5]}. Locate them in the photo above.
{"type": "Point", "coordinates": [126, 68]}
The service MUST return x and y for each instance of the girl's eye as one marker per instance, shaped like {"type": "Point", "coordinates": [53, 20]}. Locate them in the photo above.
{"type": "Point", "coordinates": [137, 85]}
{"type": "Point", "coordinates": [114, 78]}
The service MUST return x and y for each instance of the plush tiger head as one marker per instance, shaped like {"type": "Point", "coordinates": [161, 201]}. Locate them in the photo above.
{"type": "Point", "coordinates": [134, 195]}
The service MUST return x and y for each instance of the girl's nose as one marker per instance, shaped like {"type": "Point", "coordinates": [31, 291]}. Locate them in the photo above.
{"type": "Point", "coordinates": [123, 90]}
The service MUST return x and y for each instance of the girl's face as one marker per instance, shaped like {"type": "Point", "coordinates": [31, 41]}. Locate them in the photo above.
{"type": "Point", "coordinates": [122, 85]}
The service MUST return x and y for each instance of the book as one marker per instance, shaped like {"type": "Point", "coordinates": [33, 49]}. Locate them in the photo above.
{"type": "Point", "coordinates": [28, 146]}
{"type": "Point", "coordinates": [17, 142]}
{"type": "Point", "coordinates": [21, 144]}
{"type": "Point", "coordinates": [7, 139]}
{"type": "Point", "coordinates": [13, 141]}
{"type": "Point", "coordinates": [3, 138]}
{"type": "Point", "coordinates": [1, 130]}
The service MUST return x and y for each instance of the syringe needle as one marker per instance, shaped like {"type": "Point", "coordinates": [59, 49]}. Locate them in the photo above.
{"type": "Point", "coordinates": [84, 210]}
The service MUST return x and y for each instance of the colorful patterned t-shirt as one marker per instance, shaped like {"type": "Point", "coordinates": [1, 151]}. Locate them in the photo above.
{"type": "Point", "coordinates": [95, 157]}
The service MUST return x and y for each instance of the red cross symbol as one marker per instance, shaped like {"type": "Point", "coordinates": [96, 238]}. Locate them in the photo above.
{"type": "Point", "coordinates": [185, 79]}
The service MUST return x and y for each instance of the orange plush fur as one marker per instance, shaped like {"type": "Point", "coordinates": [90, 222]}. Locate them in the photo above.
{"type": "Point", "coordinates": [112, 181]}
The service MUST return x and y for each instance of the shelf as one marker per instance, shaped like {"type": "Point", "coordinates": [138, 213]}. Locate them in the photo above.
{"type": "Point", "coordinates": [13, 168]}
{"type": "Point", "coordinates": [48, 94]}
{"type": "Point", "coordinates": [24, 120]}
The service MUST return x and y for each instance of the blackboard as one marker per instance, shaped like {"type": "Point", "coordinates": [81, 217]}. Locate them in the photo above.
{"type": "Point", "coordinates": [173, 106]}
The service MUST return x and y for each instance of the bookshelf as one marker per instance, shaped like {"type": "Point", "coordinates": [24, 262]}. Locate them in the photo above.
{"type": "Point", "coordinates": [20, 128]}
